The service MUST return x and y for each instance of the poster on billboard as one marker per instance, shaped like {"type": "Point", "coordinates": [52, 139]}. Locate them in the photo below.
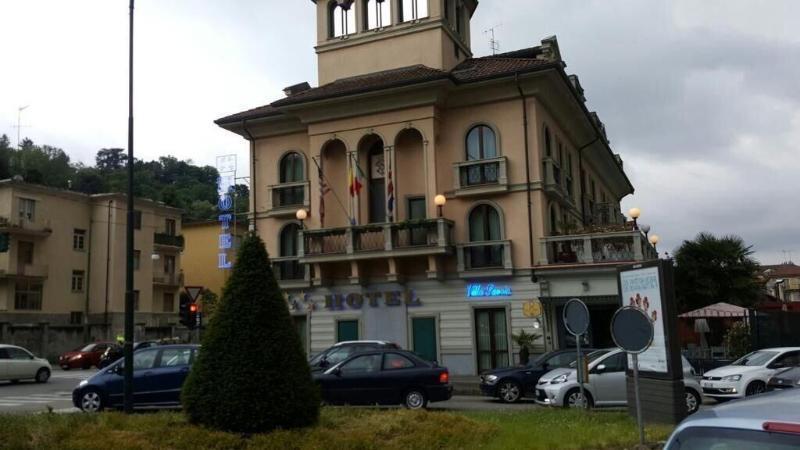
{"type": "Point", "coordinates": [641, 288]}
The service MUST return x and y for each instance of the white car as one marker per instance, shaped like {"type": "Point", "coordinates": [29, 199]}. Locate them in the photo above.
{"type": "Point", "coordinates": [17, 364]}
{"type": "Point", "coordinates": [749, 374]}
{"type": "Point", "coordinates": [607, 384]}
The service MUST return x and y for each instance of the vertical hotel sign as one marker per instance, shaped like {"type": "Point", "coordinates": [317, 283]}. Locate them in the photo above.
{"type": "Point", "coordinates": [226, 166]}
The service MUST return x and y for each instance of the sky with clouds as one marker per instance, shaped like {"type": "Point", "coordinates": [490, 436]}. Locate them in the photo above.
{"type": "Point", "coordinates": [701, 99]}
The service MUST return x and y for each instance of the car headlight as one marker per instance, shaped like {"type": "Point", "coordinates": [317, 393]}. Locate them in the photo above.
{"type": "Point", "coordinates": [732, 378]}
{"type": "Point", "coordinates": [559, 379]}
{"type": "Point", "coordinates": [83, 383]}
{"type": "Point", "coordinates": [77, 357]}
{"type": "Point", "coordinates": [491, 379]}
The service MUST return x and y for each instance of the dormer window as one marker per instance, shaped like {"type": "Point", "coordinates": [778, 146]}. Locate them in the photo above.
{"type": "Point", "coordinates": [341, 18]}
{"type": "Point", "coordinates": [378, 13]}
{"type": "Point", "coordinates": [413, 10]}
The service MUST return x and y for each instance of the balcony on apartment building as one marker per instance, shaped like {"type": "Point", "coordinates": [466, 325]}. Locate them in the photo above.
{"type": "Point", "coordinates": [607, 245]}
{"type": "Point", "coordinates": [168, 279]}
{"type": "Point", "coordinates": [374, 241]}
{"type": "Point", "coordinates": [485, 259]}
{"type": "Point", "coordinates": [556, 181]}
{"type": "Point", "coordinates": [10, 268]}
{"type": "Point", "coordinates": [481, 176]}
{"type": "Point", "coordinates": [25, 226]}
{"type": "Point", "coordinates": [290, 273]}
{"type": "Point", "coordinates": [285, 198]}
{"type": "Point", "coordinates": [168, 241]}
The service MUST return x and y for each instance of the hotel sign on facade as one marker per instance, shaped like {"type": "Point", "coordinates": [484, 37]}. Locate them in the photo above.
{"type": "Point", "coordinates": [226, 166]}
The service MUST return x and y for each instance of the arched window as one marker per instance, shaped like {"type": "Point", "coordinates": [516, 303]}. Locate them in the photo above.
{"type": "Point", "coordinates": [341, 18]}
{"type": "Point", "coordinates": [548, 144]}
{"type": "Point", "coordinates": [553, 220]}
{"type": "Point", "coordinates": [484, 225]}
{"type": "Point", "coordinates": [292, 168]}
{"type": "Point", "coordinates": [289, 269]}
{"type": "Point", "coordinates": [413, 9]}
{"type": "Point", "coordinates": [378, 13]}
{"type": "Point", "coordinates": [481, 143]}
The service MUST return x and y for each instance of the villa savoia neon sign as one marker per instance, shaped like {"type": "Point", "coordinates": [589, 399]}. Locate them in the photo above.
{"type": "Point", "coordinates": [487, 290]}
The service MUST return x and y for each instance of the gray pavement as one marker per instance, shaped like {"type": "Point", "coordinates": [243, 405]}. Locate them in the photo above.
{"type": "Point", "coordinates": [28, 396]}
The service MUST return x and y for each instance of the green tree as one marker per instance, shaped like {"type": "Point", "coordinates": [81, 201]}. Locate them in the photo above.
{"type": "Point", "coordinates": [710, 270]}
{"type": "Point", "coordinates": [251, 375]}
{"type": "Point", "coordinates": [110, 159]}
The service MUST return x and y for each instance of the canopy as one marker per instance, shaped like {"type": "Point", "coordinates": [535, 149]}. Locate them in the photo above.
{"type": "Point", "coordinates": [720, 309]}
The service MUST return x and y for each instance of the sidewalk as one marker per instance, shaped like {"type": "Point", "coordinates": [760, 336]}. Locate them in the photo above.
{"type": "Point", "coordinates": [466, 384]}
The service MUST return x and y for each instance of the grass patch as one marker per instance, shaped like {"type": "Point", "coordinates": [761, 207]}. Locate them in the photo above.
{"type": "Point", "coordinates": [556, 428]}
{"type": "Point", "coordinates": [338, 429]}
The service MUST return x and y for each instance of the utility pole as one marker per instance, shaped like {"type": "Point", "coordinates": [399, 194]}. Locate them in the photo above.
{"type": "Point", "coordinates": [128, 348]}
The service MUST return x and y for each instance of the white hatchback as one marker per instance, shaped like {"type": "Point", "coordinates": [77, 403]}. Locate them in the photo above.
{"type": "Point", "coordinates": [17, 364]}
{"type": "Point", "coordinates": [749, 374]}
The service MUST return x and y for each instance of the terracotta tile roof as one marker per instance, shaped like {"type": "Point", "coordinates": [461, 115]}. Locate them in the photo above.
{"type": "Point", "coordinates": [781, 271]}
{"type": "Point", "coordinates": [469, 71]}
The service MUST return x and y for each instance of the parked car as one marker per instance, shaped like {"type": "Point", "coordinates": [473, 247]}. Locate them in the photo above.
{"type": "Point", "coordinates": [17, 364]}
{"type": "Point", "coordinates": [787, 378]}
{"type": "Point", "coordinates": [116, 351]}
{"type": "Point", "coordinates": [340, 351]}
{"type": "Point", "coordinates": [749, 374]}
{"type": "Point", "coordinates": [513, 383]}
{"type": "Point", "coordinates": [770, 421]}
{"type": "Point", "coordinates": [385, 376]}
{"type": "Point", "coordinates": [607, 384]}
{"type": "Point", "coordinates": [158, 375]}
{"type": "Point", "coordinates": [83, 357]}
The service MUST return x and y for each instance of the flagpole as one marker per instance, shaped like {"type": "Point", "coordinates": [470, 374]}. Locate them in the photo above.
{"type": "Point", "coordinates": [338, 200]}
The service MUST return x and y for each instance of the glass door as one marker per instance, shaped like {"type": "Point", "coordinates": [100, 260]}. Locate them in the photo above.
{"type": "Point", "coordinates": [492, 338]}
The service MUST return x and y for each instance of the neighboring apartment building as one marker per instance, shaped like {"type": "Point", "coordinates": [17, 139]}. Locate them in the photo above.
{"type": "Point", "coordinates": [62, 278]}
{"type": "Point", "coordinates": [782, 281]}
{"type": "Point", "coordinates": [405, 115]}
{"type": "Point", "coordinates": [201, 255]}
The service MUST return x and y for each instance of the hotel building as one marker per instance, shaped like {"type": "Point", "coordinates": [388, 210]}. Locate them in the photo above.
{"type": "Point", "coordinates": [449, 201]}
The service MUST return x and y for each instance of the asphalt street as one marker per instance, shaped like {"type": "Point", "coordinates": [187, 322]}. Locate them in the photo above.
{"type": "Point", "coordinates": [28, 396]}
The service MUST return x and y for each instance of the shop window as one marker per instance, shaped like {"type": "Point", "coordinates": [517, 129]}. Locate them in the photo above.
{"type": "Point", "coordinates": [485, 226]}
{"type": "Point", "coordinates": [378, 13]}
{"type": "Point", "coordinates": [78, 239]}
{"type": "Point", "coordinates": [341, 19]}
{"type": "Point", "coordinates": [413, 9]}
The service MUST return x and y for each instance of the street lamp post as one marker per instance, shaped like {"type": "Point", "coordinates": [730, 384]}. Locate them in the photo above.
{"type": "Point", "coordinates": [128, 346]}
{"type": "Point", "coordinates": [654, 240]}
{"type": "Point", "coordinates": [645, 228]}
{"type": "Point", "coordinates": [439, 201]}
{"type": "Point", "coordinates": [634, 213]}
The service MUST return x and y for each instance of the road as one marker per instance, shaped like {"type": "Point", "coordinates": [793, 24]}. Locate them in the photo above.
{"type": "Point", "coordinates": [28, 396]}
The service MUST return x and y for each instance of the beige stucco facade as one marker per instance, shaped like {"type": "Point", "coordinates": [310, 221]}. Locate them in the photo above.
{"type": "Point", "coordinates": [65, 264]}
{"type": "Point", "coordinates": [200, 258]}
{"type": "Point", "coordinates": [521, 224]}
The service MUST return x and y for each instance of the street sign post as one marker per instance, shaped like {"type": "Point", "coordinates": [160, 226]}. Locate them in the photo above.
{"type": "Point", "coordinates": [632, 331]}
{"type": "Point", "coordinates": [576, 321]}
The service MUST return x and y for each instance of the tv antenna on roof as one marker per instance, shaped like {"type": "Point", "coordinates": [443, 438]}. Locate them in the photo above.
{"type": "Point", "coordinates": [19, 123]}
{"type": "Point", "coordinates": [494, 44]}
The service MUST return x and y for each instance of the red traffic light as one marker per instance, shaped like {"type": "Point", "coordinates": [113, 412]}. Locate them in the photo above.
{"type": "Point", "coordinates": [193, 307]}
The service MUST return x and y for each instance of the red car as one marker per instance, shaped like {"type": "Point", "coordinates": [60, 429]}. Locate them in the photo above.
{"type": "Point", "coordinates": [83, 357]}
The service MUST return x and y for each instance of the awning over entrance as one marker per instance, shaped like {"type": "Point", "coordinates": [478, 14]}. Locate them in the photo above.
{"type": "Point", "coordinates": [720, 309]}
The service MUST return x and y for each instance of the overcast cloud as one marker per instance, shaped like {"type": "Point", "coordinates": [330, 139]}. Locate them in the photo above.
{"type": "Point", "coordinates": [701, 99]}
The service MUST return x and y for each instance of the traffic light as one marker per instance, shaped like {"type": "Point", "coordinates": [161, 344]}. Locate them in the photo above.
{"type": "Point", "coordinates": [193, 312]}
{"type": "Point", "coordinates": [187, 311]}
{"type": "Point", "coordinates": [4, 242]}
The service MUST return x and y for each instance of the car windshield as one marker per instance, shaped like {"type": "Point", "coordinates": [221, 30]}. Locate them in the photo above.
{"type": "Point", "coordinates": [316, 359]}
{"type": "Point", "coordinates": [87, 348]}
{"type": "Point", "coordinates": [757, 358]}
{"type": "Point", "coordinates": [591, 356]}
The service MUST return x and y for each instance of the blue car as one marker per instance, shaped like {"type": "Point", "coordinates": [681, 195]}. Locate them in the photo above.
{"type": "Point", "coordinates": [158, 375]}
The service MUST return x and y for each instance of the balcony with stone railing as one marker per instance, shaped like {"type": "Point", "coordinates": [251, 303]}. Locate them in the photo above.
{"type": "Point", "coordinates": [285, 198]}
{"type": "Point", "coordinates": [374, 241]}
{"type": "Point", "coordinates": [25, 226]}
{"type": "Point", "coordinates": [479, 177]}
{"type": "Point", "coordinates": [603, 247]}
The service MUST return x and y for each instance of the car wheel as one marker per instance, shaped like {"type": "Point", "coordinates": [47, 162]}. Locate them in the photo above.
{"type": "Point", "coordinates": [756, 387]}
{"type": "Point", "coordinates": [693, 401]}
{"type": "Point", "coordinates": [509, 391]}
{"type": "Point", "coordinates": [91, 401]}
{"type": "Point", "coordinates": [42, 375]}
{"type": "Point", "coordinates": [573, 399]}
{"type": "Point", "coordinates": [415, 399]}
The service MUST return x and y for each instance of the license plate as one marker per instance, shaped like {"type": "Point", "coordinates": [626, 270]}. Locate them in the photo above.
{"type": "Point", "coordinates": [708, 384]}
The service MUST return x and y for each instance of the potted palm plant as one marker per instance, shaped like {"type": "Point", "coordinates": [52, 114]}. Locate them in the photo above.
{"type": "Point", "coordinates": [525, 342]}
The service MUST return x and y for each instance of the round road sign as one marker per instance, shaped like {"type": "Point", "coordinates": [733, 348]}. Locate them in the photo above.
{"type": "Point", "coordinates": [631, 329]}
{"type": "Point", "coordinates": [576, 317]}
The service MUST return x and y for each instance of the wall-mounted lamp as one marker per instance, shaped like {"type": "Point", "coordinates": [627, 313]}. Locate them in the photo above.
{"type": "Point", "coordinates": [439, 201]}
{"type": "Point", "coordinates": [301, 215]}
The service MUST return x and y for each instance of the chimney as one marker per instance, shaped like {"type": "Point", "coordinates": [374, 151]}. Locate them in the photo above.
{"type": "Point", "coordinates": [296, 88]}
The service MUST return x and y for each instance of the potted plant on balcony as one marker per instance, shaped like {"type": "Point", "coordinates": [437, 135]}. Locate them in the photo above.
{"type": "Point", "coordinates": [525, 342]}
